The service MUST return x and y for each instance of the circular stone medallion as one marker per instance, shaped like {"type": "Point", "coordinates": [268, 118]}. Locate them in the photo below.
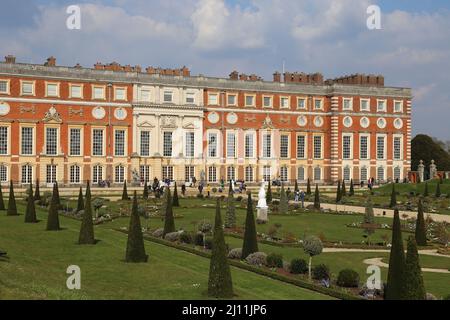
{"type": "Point", "coordinates": [4, 108]}
{"type": "Point", "coordinates": [398, 124]}
{"type": "Point", "coordinates": [364, 122]}
{"type": "Point", "coordinates": [381, 123]}
{"type": "Point", "coordinates": [213, 117]}
{"type": "Point", "coordinates": [318, 121]}
{"type": "Point", "coordinates": [232, 118]}
{"type": "Point", "coordinates": [99, 113]}
{"type": "Point", "coordinates": [348, 122]}
{"type": "Point", "coordinates": [302, 121]}
{"type": "Point", "coordinates": [120, 113]}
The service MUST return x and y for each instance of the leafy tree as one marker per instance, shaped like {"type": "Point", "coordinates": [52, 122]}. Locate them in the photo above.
{"type": "Point", "coordinates": [352, 189]}
{"type": "Point", "coordinates": [125, 192]}
{"type": "Point", "coordinates": [438, 191]}
{"type": "Point", "coordinates": [87, 226]}
{"type": "Point", "coordinates": [343, 190]}
{"type": "Point", "coordinates": [396, 273]}
{"type": "Point", "coordinates": [53, 214]}
{"type": "Point", "coordinates": [37, 193]}
{"type": "Point", "coordinates": [269, 196]}
{"type": "Point", "coordinates": [426, 149]}
{"type": "Point", "coordinates": [421, 231]}
{"type": "Point", "coordinates": [30, 214]}
{"type": "Point", "coordinates": [145, 195]}
{"type": "Point", "coordinates": [169, 221]}
{"type": "Point", "coordinates": [426, 192]}
{"type": "Point", "coordinates": [312, 246]}
{"type": "Point", "coordinates": [80, 204]}
{"type": "Point", "coordinates": [2, 202]}
{"type": "Point", "coordinates": [393, 203]}
{"type": "Point", "coordinates": [250, 240]}
{"type": "Point", "coordinates": [12, 207]}
{"type": "Point", "coordinates": [135, 245]}
{"type": "Point", "coordinates": [284, 205]}
{"type": "Point", "coordinates": [369, 220]}
{"type": "Point", "coordinates": [317, 198]}
{"type": "Point", "coordinates": [338, 192]}
{"type": "Point", "coordinates": [414, 288]}
{"type": "Point", "coordinates": [220, 284]}
{"type": "Point", "coordinates": [230, 218]}
{"type": "Point", "coordinates": [175, 202]}
{"type": "Point", "coordinates": [308, 187]}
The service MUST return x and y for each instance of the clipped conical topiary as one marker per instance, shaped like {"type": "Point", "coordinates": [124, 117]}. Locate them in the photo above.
{"type": "Point", "coordinates": [438, 191]}
{"type": "Point", "coordinates": [250, 240]}
{"type": "Point", "coordinates": [338, 192]}
{"type": "Point", "coordinates": [426, 192]}
{"type": "Point", "coordinates": [230, 217]}
{"type": "Point", "coordinates": [30, 213]}
{"type": "Point", "coordinates": [369, 220]}
{"type": "Point", "coordinates": [351, 193]}
{"type": "Point", "coordinates": [2, 202]}
{"type": "Point", "coordinates": [317, 198]}
{"type": "Point", "coordinates": [284, 204]}
{"type": "Point", "coordinates": [145, 194]}
{"type": "Point", "coordinates": [12, 207]}
{"type": "Point", "coordinates": [343, 190]}
{"type": "Point", "coordinates": [56, 191]}
{"type": "Point", "coordinates": [269, 196]}
{"type": "Point", "coordinates": [169, 221]}
{"type": "Point", "coordinates": [37, 193]}
{"type": "Point", "coordinates": [396, 273]}
{"type": "Point", "coordinates": [220, 284]}
{"type": "Point", "coordinates": [393, 203]}
{"type": "Point", "coordinates": [135, 245]}
{"type": "Point", "coordinates": [125, 192]}
{"type": "Point", "coordinates": [53, 214]}
{"type": "Point", "coordinates": [80, 204]}
{"type": "Point", "coordinates": [175, 201]}
{"type": "Point", "coordinates": [421, 231]}
{"type": "Point", "coordinates": [87, 226]}
{"type": "Point", "coordinates": [296, 189]}
{"type": "Point", "coordinates": [308, 187]}
{"type": "Point", "coordinates": [414, 288]}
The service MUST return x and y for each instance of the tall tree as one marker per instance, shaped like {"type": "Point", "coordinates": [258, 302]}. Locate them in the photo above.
{"type": "Point", "coordinates": [426, 192]}
{"type": "Point", "coordinates": [175, 201]}
{"type": "Point", "coordinates": [12, 207]}
{"type": "Point", "coordinates": [269, 196]}
{"type": "Point", "coordinates": [338, 192]}
{"type": "Point", "coordinates": [53, 214]}
{"type": "Point", "coordinates": [37, 193]}
{"type": "Point", "coordinates": [352, 189]}
{"type": "Point", "coordinates": [87, 226]}
{"type": "Point", "coordinates": [393, 202]}
{"type": "Point", "coordinates": [343, 190]}
{"type": "Point", "coordinates": [396, 273]}
{"type": "Point", "coordinates": [135, 245]}
{"type": "Point", "coordinates": [421, 230]}
{"type": "Point", "coordinates": [308, 187]}
{"type": "Point", "coordinates": [125, 192]}
{"type": "Point", "coordinates": [317, 198]}
{"type": "Point", "coordinates": [425, 148]}
{"type": "Point", "coordinates": [145, 194]}
{"type": "Point", "coordinates": [414, 288]}
{"type": "Point", "coordinates": [230, 217]}
{"type": "Point", "coordinates": [438, 191]}
{"type": "Point", "coordinates": [169, 221]}
{"type": "Point", "coordinates": [30, 214]}
{"type": "Point", "coordinates": [2, 202]}
{"type": "Point", "coordinates": [250, 240]}
{"type": "Point", "coordinates": [220, 284]}
{"type": "Point", "coordinates": [284, 204]}
{"type": "Point", "coordinates": [80, 204]}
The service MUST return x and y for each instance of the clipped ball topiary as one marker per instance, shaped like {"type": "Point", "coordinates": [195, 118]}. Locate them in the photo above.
{"type": "Point", "coordinates": [348, 278]}
{"type": "Point", "coordinates": [257, 259]}
{"type": "Point", "coordinates": [274, 260]}
{"type": "Point", "coordinates": [235, 254]}
{"type": "Point", "coordinates": [186, 237]}
{"type": "Point", "coordinates": [321, 272]}
{"type": "Point", "coordinates": [299, 266]}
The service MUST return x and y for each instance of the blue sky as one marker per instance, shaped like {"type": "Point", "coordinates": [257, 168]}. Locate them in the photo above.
{"type": "Point", "coordinates": [215, 37]}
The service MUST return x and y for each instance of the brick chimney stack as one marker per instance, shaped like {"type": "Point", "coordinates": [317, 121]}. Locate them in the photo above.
{"type": "Point", "coordinates": [234, 75]}
{"type": "Point", "coordinates": [10, 59]}
{"type": "Point", "coordinates": [277, 77]}
{"type": "Point", "coordinates": [51, 62]}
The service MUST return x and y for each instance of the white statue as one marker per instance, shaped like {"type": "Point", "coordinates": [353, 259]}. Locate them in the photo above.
{"type": "Point", "coordinates": [262, 208]}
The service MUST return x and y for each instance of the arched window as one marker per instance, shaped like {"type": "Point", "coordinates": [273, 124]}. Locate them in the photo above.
{"type": "Point", "coordinates": [231, 173]}
{"type": "Point", "coordinates": [27, 174]}
{"type": "Point", "coordinates": [3, 173]}
{"type": "Point", "coordinates": [284, 174]}
{"type": "Point", "coordinates": [119, 174]}
{"type": "Point", "coordinates": [364, 174]}
{"type": "Point", "coordinates": [249, 174]}
{"type": "Point", "coordinates": [75, 171]}
{"type": "Point", "coordinates": [301, 174]}
{"type": "Point", "coordinates": [347, 175]}
{"type": "Point", "coordinates": [397, 173]}
{"type": "Point", "coordinates": [317, 174]}
{"type": "Point", "coordinates": [97, 174]}
{"type": "Point", "coordinates": [380, 174]}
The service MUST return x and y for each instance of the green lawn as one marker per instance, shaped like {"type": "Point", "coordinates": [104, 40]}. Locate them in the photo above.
{"type": "Point", "coordinates": [39, 259]}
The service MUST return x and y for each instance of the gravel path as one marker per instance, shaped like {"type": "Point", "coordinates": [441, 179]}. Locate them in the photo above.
{"type": "Point", "coordinates": [379, 263]}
